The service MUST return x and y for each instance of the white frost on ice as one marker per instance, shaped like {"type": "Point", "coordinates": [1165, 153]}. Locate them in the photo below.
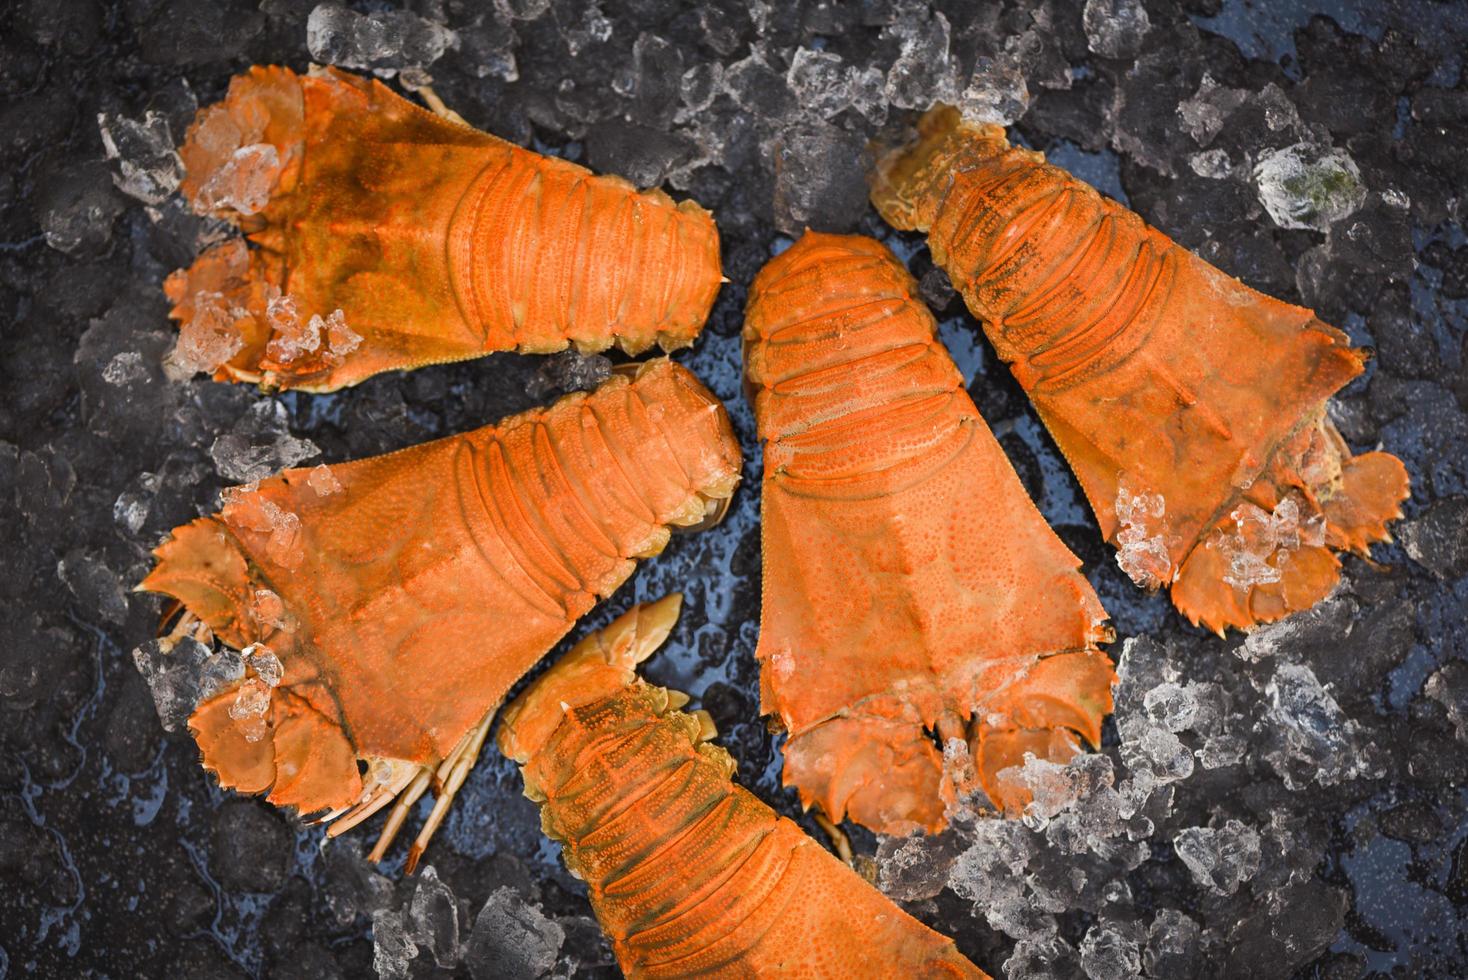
{"type": "Point", "coordinates": [1115, 28]}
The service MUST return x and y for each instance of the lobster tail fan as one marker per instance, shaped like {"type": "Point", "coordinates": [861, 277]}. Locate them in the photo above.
{"type": "Point", "coordinates": [1061, 700]}
{"type": "Point", "coordinates": [886, 773]}
{"type": "Point", "coordinates": [201, 567]}
{"type": "Point", "coordinates": [303, 758]}
{"type": "Point", "coordinates": [1274, 553]}
{"type": "Point", "coordinates": [1370, 494]}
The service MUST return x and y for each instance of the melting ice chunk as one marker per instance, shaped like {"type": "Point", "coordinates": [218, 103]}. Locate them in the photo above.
{"type": "Point", "coordinates": [244, 182]}
{"type": "Point", "coordinates": [1141, 551]}
{"type": "Point", "coordinates": [323, 481]}
{"type": "Point", "coordinates": [1115, 28]}
{"type": "Point", "coordinates": [1308, 186]}
{"type": "Point", "coordinates": [259, 445]}
{"type": "Point", "coordinates": [1221, 859]}
{"type": "Point", "coordinates": [434, 916]}
{"type": "Point", "coordinates": [182, 676]}
{"type": "Point", "coordinates": [149, 169]}
{"type": "Point", "coordinates": [392, 947]}
{"type": "Point", "coordinates": [386, 41]}
{"type": "Point", "coordinates": [512, 938]}
{"type": "Point", "coordinates": [210, 337]}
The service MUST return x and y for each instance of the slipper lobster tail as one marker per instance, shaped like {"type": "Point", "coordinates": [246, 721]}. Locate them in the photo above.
{"type": "Point", "coordinates": [389, 237]}
{"type": "Point", "coordinates": [911, 589]}
{"type": "Point", "coordinates": [689, 874]}
{"type": "Point", "coordinates": [394, 600]}
{"type": "Point", "coordinates": [1191, 408]}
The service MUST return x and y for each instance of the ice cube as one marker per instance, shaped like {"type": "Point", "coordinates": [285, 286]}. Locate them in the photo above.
{"type": "Point", "coordinates": [512, 938]}
{"type": "Point", "coordinates": [251, 704]}
{"type": "Point", "coordinates": [1172, 705]}
{"type": "Point", "coordinates": [1173, 945]}
{"type": "Point", "coordinates": [1449, 687]}
{"type": "Point", "coordinates": [1221, 859]}
{"type": "Point", "coordinates": [1158, 755]}
{"type": "Point", "coordinates": [1307, 735]}
{"type": "Point", "coordinates": [183, 674]}
{"type": "Point", "coordinates": [386, 42]}
{"type": "Point", "coordinates": [1107, 954]}
{"type": "Point", "coordinates": [820, 81]}
{"type": "Point", "coordinates": [911, 869]}
{"type": "Point", "coordinates": [1204, 114]}
{"type": "Point", "coordinates": [996, 91]}
{"type": "Point", "coordinates": [210, 338]}
{"type": "Point", "coordinates": [148, 167]}
{"type": "Point", "coordinates": [1307, 185]}
{"type": "Point", "coordinates": [820, 178]}
{"type": "Point", "coordinates": [1045, 958]}
{"type": "Point", "coordinates": [1141, 550]}
{"type": "Point", "coordinates": [244, 182]}
{"type": "Point", "coordinates": [392, 948]}
{"type": "Point", "coordinates": [1115, 28]}
{"type": "Point", "coordinates": [569, 370]}
{"type": "Point", "coordinates": [1438, 540]}
{"type": "Point", "coordinates": [434, 917]}
{"type": "Point", "coordinates": [259, 444]}
{"type": "Point", "coordinates": [323, 481]}
{"type": "Point", "coordinates": [923, 72]}
{"type": "Point", "coordinates": [263, 661]}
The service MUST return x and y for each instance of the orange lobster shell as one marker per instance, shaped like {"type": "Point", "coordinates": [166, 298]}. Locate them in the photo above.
{"type": "Point", "coordinates": [404, 594]}
{"type": "Point", "coordinates": [1190, 407]}
{"type": "Point", "coordinates": [689, 874]}
{"type": "Point", "coordinates": [425, 239]}
{"type": "Point", "coordinates": [909, 582]}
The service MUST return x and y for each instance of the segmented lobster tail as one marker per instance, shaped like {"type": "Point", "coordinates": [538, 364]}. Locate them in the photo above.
{"type": "Point", "coordinates": [687, 873]}
{"type": "Point", "coordinates": [1190, 407]}
{"type": "Point", "coordinates": [910, 586]}
{"type": "Point", "coordinates": [387, 237]}
{"type": "Point", "coordinates": [392, 601]}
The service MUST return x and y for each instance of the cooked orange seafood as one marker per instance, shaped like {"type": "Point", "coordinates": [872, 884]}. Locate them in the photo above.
{"type": "Point", "coordinates": [1191, 408]}
{"type": "Point", "coordinates": [386, 605]}
{"type": "Point", "coordinates": [689, 874]}
{"type": "Point", "coordinates": [390, 237]}
{"type": "Point", "coordinates": [910, 586]}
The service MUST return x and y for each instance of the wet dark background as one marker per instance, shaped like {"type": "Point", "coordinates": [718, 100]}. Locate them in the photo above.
{"type": "Point", "coordinates": [1292, 806]}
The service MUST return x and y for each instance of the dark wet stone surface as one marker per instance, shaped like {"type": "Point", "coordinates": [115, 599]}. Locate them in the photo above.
{"type": "Point", "coordinates": [1346, 727]}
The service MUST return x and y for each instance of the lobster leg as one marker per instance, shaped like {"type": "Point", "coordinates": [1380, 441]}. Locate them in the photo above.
{"type": "Point", "coordinates": [1191, 408]}
{"type": "Point", "coordinates": [386, 603]}
{"type": "Point", "coordinates": [689, 874]}
{"type": "Point", "coordinates": [387, 236]}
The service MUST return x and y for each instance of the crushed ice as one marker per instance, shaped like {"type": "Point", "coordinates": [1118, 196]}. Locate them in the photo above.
{"type": "Point", "coordinates": [323, 481]}
{"type": "Point", "coordinates": [210, 337]}
{"type": "Point", "coordinates": [1306, 185]}
{"type": "Point", "coordinates": [386, 42]}
{"type": "Point", "coordinates": [184, 674]}
{"type": "Point", "coordinates": [1260, 535]}
{"type": "Point", "coordinates": [260, 444]}
{"type": "Point", "coordinates": [1141, 550]}
{"type": "Point", "coordinates": [243, 182]}
{"type": "Point", "coordinates": [149, 169]}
